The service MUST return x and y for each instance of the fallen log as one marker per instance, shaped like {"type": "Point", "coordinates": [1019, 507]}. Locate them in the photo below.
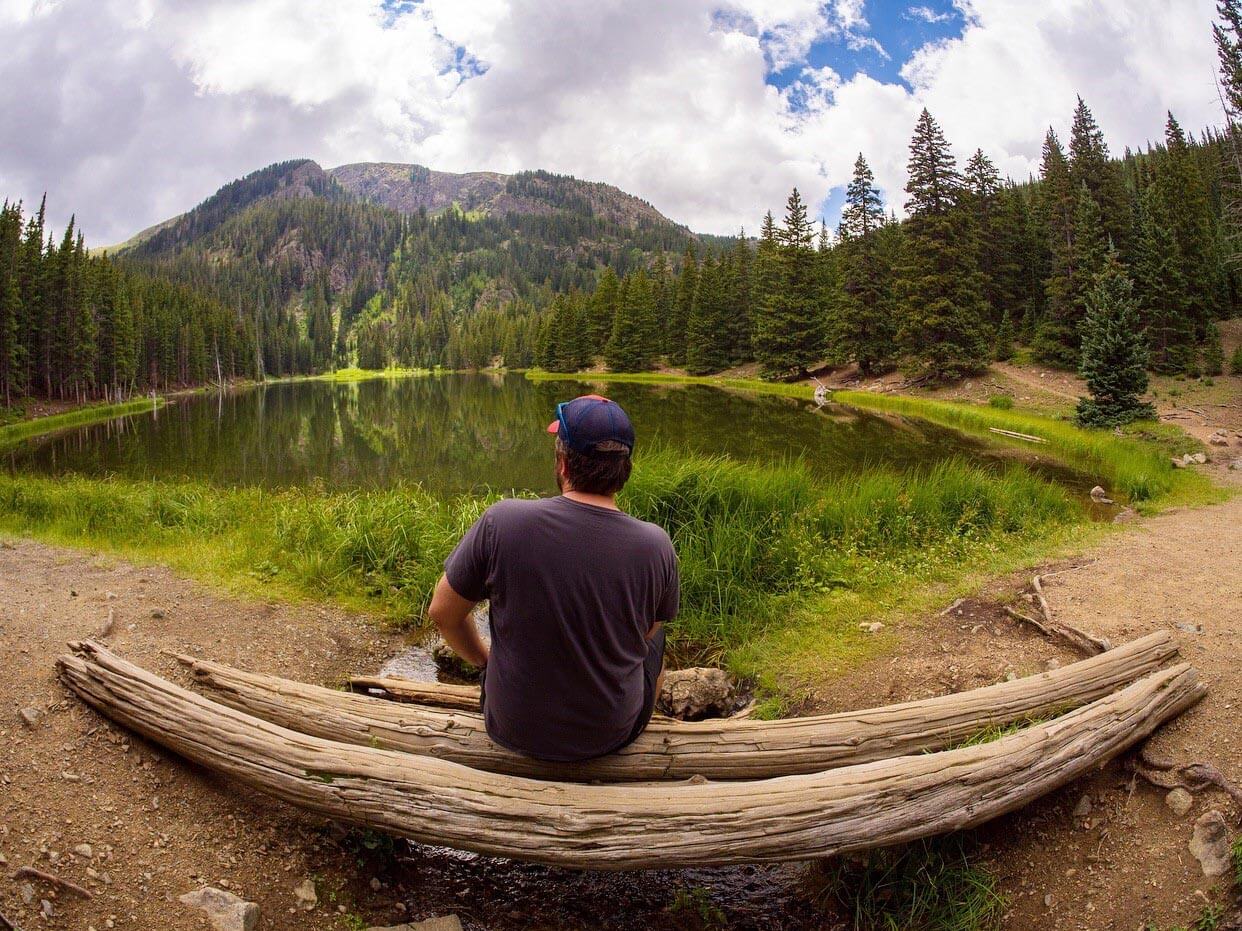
{"type": "Point", "coordinates": [466, 697]}
{"type": "Point", "coordinates": [1013, 434]}
{"type": "Point", "coordinates": [435, 801]}
{"type": "Point", "coordinates": [719, 749]}
{"type": "Point", "coordinates": [440, 694]}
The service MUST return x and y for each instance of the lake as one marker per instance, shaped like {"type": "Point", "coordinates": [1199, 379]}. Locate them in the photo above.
{"type": "Point", "coordinates": [463, 433]}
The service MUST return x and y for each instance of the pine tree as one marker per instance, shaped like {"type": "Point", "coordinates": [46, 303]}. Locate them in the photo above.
{"type": "Point", "coordinates": [864, 330]}
{"type": "Point", "coordinates": [683, 302]}
{"type": "Point", "coordinates": [1161, 289]}
{"type": "Point", "coordinates": [982, 202]}
{"type": "Point", "coordinates": [1228, 36]}
{"type": "Point", "coordinates": [603, 309]}
{"type": "Point", "coordinates": [863, 212]}
{"type": "Point", "coordinates": [789, 330]}
{"type": "Point", "coordinates": [1091, 165]}
{"type": "Point", "coordinates": [1188, 207]}
{"type": "Point", "coordinates": [1056, 334]}
{"type": "Point", "coordinates": [707, 336]}
{"type": "Point", "coordinates": [1114, 352]}
{"type": "Point", "coordinates": [943, 308]}
{"type": "Point", "coordinates": [634, 342]}
{"type": "Point", "coordinates": [739, 302]}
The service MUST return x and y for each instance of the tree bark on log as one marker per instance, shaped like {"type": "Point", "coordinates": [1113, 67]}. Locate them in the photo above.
{"type": "Point", "coordinates": [440, 694]}
{"type": "Point", "coordinates": [719, 749]}
{"type": "Point", "coordinates": [435, 801]}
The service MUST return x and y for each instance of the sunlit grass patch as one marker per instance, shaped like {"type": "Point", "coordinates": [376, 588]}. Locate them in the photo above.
{"type": "Point", "coordinates": [14, 433]}
{"type": "Point", "coordinates": [1134, 470]}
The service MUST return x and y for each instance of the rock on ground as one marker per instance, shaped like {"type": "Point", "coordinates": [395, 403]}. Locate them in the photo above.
{"type": "Point", "coordinates": [304, 895]}
{"type": "Point", "coordinates": [1179, 801]}
{"type": "Point", "coordinates": [226, 911]}
{"type": "Point", "coordinates": [442, 923]}
{"type": "Point", "coordinates": [1210, 844]}
{"type": "Point", "coordinates": [697, 693]}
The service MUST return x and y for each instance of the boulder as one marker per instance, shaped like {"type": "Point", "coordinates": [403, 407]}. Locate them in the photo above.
{"type": "Point", "coordinates": [1210, 844]}
{"type": "Point", "coordinates": [1083, 808]}
{"type": "Point", "coordinates": [305, 898]}
{"type": "Point", "coordinates": [1199, 458]}
{"type": "Point", "coordinates": [227, 912]}
{"type": "Point", "coordinates": [698, 693]}
{"type": "Point", "coordinates": [1100, 496]}
{"type": "Point", "coordinates": [1179, 801]}
{"type": "Point", "coordinates": [30, 716]}
{"type": "Point", "coordinates": [1220, 438]}
{"type": "Point", "coordinates": [449, 663]}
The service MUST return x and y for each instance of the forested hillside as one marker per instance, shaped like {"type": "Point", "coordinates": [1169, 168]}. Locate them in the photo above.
{"type": "Point", "coordinates": [977, 266]}
{"type": "Point", "coordinates": [78, 327]}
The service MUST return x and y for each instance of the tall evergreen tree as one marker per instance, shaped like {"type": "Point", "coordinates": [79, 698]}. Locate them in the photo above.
{"type": "Point", "coordinates": [789, 331]}
{"type": "Point", "coordinates": [1056, 334]}
{"type": "Point", "coordinates": [982, 202]}
{"type": "Point", "coordinates": [740, 302]}
{"type": "Point", "coordinates": [865, 332]}
{"type": "Point", "coordinates": [707, 336]}
{"type": "Point", "coordinates": [634, 343]}
{"type": "Point", "coordinates": [604, 303]}
{"type": "Point", "coordinates": [687, 285]}
{"type": "Point", "coordinates": [943, 309]}
{"type": "Point", "coordinates": [1090, 165]}
{"type": "Point", "coordinates": [1191, 219]}
{"type": "Point", "coordinates": [1161, 289]}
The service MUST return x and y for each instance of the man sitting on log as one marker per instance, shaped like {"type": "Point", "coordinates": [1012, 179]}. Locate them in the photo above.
{"type": "Point", "coordinates": [578, 594]}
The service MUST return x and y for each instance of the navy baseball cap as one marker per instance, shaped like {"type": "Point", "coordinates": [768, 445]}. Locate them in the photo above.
{"type": "Point", "coordinates": [585, 422]}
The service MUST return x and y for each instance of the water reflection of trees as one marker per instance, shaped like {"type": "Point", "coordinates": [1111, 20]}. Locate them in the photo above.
{"type": "Point", "coordinates": [460, 433]}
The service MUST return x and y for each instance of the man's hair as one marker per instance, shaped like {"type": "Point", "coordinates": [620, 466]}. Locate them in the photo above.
{"type": "Point", "coordinates": [603, 471]}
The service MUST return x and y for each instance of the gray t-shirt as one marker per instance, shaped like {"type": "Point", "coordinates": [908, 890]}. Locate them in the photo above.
{"type": "Point", "coordinates": [574, 591]}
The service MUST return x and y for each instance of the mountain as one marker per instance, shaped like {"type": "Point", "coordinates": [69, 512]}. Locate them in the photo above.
{"type": "Point", "coordinates": [411, 188]}
{"type": "Point", "coordinates": [308, 255]}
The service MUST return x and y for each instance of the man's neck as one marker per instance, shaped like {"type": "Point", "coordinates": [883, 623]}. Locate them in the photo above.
{"type": "Point", "coordinates": [599, 501]}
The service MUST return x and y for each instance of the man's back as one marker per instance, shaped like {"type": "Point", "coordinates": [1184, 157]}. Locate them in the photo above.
{"type": "Point", "coordinates": [575, 589]}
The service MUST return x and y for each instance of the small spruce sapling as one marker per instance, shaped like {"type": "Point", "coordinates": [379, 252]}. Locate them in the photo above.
{"type": "Point", "coordinates": [1114, 352]}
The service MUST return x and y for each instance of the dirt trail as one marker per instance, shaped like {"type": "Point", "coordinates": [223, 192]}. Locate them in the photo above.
{"type": "Point", "coordinates": [1127, 862]}
{"type": "Point", "coordinates": [156, 827]}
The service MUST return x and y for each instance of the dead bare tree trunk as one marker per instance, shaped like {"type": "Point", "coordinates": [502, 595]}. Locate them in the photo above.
{"type": "Point", "coordinates": [632, 826]}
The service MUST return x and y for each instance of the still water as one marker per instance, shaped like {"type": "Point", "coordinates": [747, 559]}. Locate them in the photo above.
{"type": "Point", "coordinates": [463, 433]}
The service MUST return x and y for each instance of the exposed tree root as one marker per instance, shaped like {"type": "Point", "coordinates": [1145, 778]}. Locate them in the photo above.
{"type": "Point", "coordinates": [29, 872]}
{"type": "Point", "coordinates": [1193, 777]}
{"type": "Point", "coordinates": [1085, 643]}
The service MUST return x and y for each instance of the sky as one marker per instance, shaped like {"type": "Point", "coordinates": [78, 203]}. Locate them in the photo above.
{"type": "Point", "coordinates": [127, 112]}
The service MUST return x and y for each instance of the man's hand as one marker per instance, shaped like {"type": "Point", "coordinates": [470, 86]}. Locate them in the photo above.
{"type": "Point", "coordinates": [451, 614]}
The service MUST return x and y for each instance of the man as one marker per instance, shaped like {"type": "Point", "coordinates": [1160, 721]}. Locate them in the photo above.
{"type": "Point", "coordinates": [578, 595]}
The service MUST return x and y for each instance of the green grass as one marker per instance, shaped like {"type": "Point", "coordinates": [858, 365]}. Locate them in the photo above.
{"type": "Point", "coordinates": [774, 561]}
{"type": "Point", "coordinates": [357, 374]}
{"type": "Point", "coordinates": [23, 430]}
{"type": "Point", "coordinates": [1128, 468]}
{"type": "Point", "coordinates": [929, 885]}
{"type": "Point", "coordinates": [782, 389]}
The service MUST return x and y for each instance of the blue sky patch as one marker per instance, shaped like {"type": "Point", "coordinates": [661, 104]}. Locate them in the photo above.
{"type": "Point", "coordinates": [897, 28]}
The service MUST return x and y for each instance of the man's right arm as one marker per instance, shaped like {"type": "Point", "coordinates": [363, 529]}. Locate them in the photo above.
{"type": "Point", "coordinates": [450, 612]}
{"type": "Point", "coordinates": [463, 585]}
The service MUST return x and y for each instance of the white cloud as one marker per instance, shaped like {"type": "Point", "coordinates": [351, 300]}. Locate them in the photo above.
{"type": "Point", "coordinates": [928, 15]}
{"type": "Point", "coordinates": [129, 112]}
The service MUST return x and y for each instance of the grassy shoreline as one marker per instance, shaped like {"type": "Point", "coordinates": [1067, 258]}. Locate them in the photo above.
{"type": "Point", "coordinates": [14, 433]}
